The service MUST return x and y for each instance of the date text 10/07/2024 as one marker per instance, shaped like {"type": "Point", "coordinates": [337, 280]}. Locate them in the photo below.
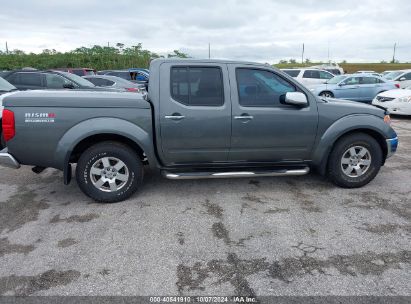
{"type": "Point", "coordinates": [188, 299]}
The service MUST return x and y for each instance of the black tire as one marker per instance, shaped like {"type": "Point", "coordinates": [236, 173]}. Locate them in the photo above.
{"type": "Point", "coordinates": [341, 153]}
{"type": "Point", "coordinates": [327, 94]}
{"type": "Point", "coordinates": [131, 172]}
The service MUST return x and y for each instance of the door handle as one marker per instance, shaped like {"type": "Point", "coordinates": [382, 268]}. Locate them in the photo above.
{"type": "Point", "coordinates": [245, 117]}
{"type": "Point", "coordinates": [174, 117]}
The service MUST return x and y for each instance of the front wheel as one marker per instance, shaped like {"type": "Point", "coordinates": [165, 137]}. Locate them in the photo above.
{"type": "Point", "coordinates": [327, 94]}
{"type": "Point", "coordinates": [354, 161]}
{"type": "Point", "coordinates": [109, 172]}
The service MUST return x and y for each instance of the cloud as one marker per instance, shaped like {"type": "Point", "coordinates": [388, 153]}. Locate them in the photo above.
{"type": "Point", "coordinates": [264, 30]}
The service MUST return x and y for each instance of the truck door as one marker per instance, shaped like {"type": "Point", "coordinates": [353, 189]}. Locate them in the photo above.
{"type": "Point", "coordinates": [264, 129]}
{"type": "Point", "coordinates": [195, 111]}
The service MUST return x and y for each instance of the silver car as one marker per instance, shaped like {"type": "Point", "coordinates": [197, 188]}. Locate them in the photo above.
{"type": "Point", "coordinates": [115, 82]}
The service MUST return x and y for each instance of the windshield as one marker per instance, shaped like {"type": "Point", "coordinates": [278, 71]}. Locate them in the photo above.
{"type": "Point", "coordinates": [6, 86]}
{"type": "Point", "coordinates": [393, 75]}
{"type": "Point", "coordinates": [79, 80]}
{"type": "Point", "coordinates": [336, 79]}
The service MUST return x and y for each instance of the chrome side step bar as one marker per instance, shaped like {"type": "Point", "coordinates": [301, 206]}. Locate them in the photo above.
{"type": "Point", "coordinates": [204, 175]}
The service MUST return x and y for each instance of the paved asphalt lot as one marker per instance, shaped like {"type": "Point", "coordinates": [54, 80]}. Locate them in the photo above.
{"type": "Point", "coordinates": [266, 236]}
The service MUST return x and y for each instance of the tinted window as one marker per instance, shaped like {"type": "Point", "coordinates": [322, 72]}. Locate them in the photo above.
{"type": "Point", "coordinates": [197, 86]}
{"type": "Point", "coordinates": [78, 72]}
{"type": "Point", "coordinates": [407, 76]}
{"type": "Point", "coordinates": [311, 74]}
{"type": "Point", "coordinates": [325, 75]}
{"type": "Point", "coordinates": [292, 73]}
{"type": "Point", "coordinates": [259, 88]}
{"type": "Point", "coordinates": [29, 79]}
{"type": "Point", "coordinates": [100, 82]}
{"type": "Point", "coordinates": [56, 82]}
{"type": "Point", "coordinates": [352, 81]}
{"type": "Point", "coordinates": [89, 72]}
{"type": "Point", "coordinates": [369, 80]}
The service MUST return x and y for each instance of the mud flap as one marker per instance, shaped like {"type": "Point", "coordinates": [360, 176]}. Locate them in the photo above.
{"type": "Point", "coordinates": [67, 174]}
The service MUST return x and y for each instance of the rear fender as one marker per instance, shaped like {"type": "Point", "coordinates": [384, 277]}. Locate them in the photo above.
{"type": "Point", "coordinates": [97, 126]}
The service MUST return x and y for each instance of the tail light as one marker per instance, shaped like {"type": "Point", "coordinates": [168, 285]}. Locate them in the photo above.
{"type": "Point", "coordinates": [397, 85]}
{"type": "Point", "coordinates": [137, 90]}
{"type": "Point", "coordinates": [9, 128]}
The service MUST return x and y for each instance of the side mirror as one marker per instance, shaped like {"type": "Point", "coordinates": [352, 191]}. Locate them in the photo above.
{"type": "Point", "coordinates": [402, 79]}
{"type": "Point", "coordinates": [68, 86]}
{"type": "Point", "coordinates": [296, 99]}
{"type": "Point", "coordinates": [341, 84]}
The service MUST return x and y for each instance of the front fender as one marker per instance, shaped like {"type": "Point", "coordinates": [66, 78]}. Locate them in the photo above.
{"type": "Point", "coordinates": [104, 125]}
{"type": "Point", "coordinates": [357, 122]}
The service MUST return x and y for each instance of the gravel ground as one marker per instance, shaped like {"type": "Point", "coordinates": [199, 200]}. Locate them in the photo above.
{"type": "Point", "coordinates": [265, 236]}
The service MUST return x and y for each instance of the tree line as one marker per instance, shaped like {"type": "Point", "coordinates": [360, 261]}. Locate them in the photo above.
{"type": "Point", "coordinates": [97, 57]}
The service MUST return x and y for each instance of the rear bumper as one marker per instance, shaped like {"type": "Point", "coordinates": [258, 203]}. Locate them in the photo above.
{"type": "Point", "coordinates": [7, 160]}
{"type": "Point", "coordinates": [392, 145]}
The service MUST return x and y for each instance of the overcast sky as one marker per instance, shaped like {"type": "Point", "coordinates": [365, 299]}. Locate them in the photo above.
{"type": "Point", "coordinates": [263, 30]}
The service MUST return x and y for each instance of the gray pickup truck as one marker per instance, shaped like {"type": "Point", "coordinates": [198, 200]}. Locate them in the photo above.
{"type": "Point", "coordinates": [200, 119]}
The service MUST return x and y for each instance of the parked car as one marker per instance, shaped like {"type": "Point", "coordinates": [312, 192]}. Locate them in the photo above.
{"type": "Point", "coordinates": [386, 72]}
{"type": "Point", "coordinates": [357, 87]}
{"type": "Point", "coordinates": [115, 82]}
{"type": "Point", "coordinates": [139, 69]}
{"type": "Point", "coordinates": [395, 101]}
{"type": "Point", "coordinates": [6, 86]}
{"type": "Point", "coordinates": [333, 68]}
{"type": "Point", "coordinates": [402, 78]}
{"type": "Point", "coordinates": [309, 77]}
{"type": "Point", "coordinates": [132, 75]}
{"type": "Point", "coordinates": [200, 119]}
{"type": "Point", "coordinates": [40, 80]}
{"type": "Point", "coordinates": [79, 71]}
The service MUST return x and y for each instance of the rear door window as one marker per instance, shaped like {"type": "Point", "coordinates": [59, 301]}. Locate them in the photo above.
{"type": "Point", "coordinates": [352, 81]}
{"type": "Point", "coordinates": [197, 86]}
{"type": "Point", "coordinates": [54, 81]}
{"type": "Point", "coordinates": [311, 74]}
{"type": "Point", "coordinates": [78, 72]}
{"type": "Point", "coordinates": [292, 73]}
{"type": "Point", "coordinates": [325, 75]}
{"type": "Point", "coordinates": [369, 80]}
{"type": "Point", "coordinates": [101, 82]}
{"type": "Point", "coordinates": [29, 79]}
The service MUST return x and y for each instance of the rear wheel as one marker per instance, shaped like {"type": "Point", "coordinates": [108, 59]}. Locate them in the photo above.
{"type": "Point", "coordinates": [354, 161]}
{"type": "Point", "coordinates": [327, 94]}
{"type": "Point", "coordinates": [109, 172]}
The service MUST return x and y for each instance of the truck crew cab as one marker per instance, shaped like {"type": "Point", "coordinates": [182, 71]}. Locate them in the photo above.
{"type": "Point", "coordinates": [200, 119]}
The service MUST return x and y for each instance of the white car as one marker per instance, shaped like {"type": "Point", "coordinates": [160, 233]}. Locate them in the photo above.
{"type": "Point", "coordinates": [402, 77]}
{"type": "Point", "coordinates": [309, 77]}
{"type": "Point", "coordinates": [397, 102]}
